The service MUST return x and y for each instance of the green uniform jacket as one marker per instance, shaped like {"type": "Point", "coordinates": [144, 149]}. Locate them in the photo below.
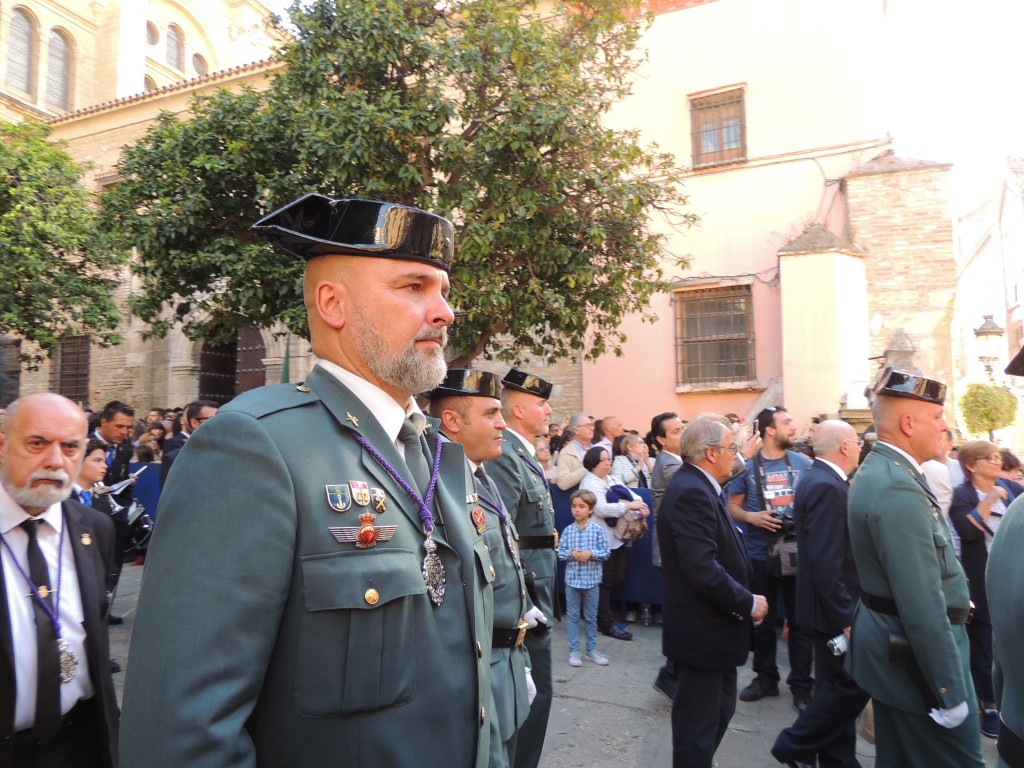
{"type": "Point", "coordinates": [262, 640]}
{"type": "Point", "coordinates": [902, 549]}
{"type": "Point", "coordinates": [1004, 579]}
{"type": "Point", "coordinates": [508, 665]}
{"type": "Point", "coordinates": [524, 490]}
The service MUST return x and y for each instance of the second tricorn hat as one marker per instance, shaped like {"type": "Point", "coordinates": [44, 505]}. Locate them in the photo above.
{"type": "Point", "coordinates": [901, 384]}
{"type": "Point", "coordinates": [315, 225]}
{"type": "Point", "coordinates": [465, 382]}
{"type": "Point", "coordinates": [527, 382]}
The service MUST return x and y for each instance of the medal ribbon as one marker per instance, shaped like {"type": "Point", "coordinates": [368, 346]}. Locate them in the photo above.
{"type": "Point", "coordinates": [54, 612]}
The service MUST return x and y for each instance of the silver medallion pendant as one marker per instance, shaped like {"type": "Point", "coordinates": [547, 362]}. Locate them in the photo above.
{"type": "Point", "coordinates": [68, 662]}
{"type": "Point", "coordinates": [512, 545]}
{"type": "Point", "coordinates": [433, 572]}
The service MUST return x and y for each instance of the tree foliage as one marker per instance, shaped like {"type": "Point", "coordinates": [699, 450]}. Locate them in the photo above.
{"type": "Point", "coordinates": [56, 278]}
{"type": "Point", "coordinates": [482, 110]}
{"type": "Point", "coordinates": [987, 407]}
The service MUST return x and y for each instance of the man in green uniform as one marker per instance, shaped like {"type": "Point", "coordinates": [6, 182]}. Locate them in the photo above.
{"type": "Point", "coordinates": [908, 646]}
{"type": "Point", "coordinates": [316, 596]}
{"type": "Point", "coordinates": [524, 491]}
{"type": "Point", "coordinates": [469, 410]}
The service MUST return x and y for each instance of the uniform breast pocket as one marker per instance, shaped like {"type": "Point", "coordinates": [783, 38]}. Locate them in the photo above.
{"type": "Point", "coordinates": [357, 647]}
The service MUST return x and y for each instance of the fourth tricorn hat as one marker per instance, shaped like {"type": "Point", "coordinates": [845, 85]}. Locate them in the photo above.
{"type": "Point", "coordinates": [315, 225]}
{"type": "Point", "coordinates": [901, 384]}
{"type": "Point", "coordinates": [1016, 366]}
{"type": "Point", "coordinates": [464, 382]}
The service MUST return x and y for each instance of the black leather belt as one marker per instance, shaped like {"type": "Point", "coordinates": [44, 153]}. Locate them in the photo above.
{"type": "Point", "coordinates": [888, 607]}
{"type": "Point", "coordinates": [509, 638]}
{"type": "Point", "coordinates": [83, 710]}
{"type": "Point", "coordinates": [1010, 746]}
{"type": "Point", "coordinates": [538, 542]}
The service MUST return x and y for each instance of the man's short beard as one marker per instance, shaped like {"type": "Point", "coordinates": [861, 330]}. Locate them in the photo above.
{"type": "Point", "coordinates": [38, 498]}
{"type": "Point", "coordinates": [406, 369]}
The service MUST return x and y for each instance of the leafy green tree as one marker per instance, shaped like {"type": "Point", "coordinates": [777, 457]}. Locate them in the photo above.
{"type": "Point", "coordinates": [987, 407]}
{"type": "Point", "coordinates": [485, 111]}
{"type": "Point", "coordinates": [56, 278]}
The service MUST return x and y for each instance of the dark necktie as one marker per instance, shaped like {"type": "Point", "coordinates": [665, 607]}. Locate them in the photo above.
{"type": "Point", "coordinates": [47, 720]}
{"type": "Point", "coordinates": [481, 476]}
{"type": "Point", "coordinates": [414, 458]}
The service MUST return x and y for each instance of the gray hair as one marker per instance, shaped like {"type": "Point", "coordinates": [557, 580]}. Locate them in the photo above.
{"type": "Point", "coordinates": [705, 431]}
{"type": "Point", "coordinates": [576, 419]}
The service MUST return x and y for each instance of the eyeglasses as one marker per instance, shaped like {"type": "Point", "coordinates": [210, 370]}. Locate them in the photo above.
{"type": "Point", "coordinates": [860, 443]}
{"type": "Point", "coordinates": [995, 458]}
{"type": "Point", "coordinates": [734, 448]}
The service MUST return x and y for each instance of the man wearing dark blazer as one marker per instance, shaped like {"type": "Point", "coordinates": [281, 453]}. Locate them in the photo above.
{"type": "Point", "coordinates": [908, 644]}
{"type": "Point", "coordinates": [114, 431]}
{"type": "Point", "coordinates": [196, 414]}
{"type": "Point", "coordinates": [708, 609]}
{"type": "Point", "coordinates": [827, 590]}
{"type": "Point", "coordinates": [524, 491]}
{"type": "Point", "coordinates": [336, 591]}
{"type": "Point", "coordinates": [57, 702]}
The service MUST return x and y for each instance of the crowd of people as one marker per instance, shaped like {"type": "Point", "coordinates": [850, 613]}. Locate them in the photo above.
{"type": "Point", "coordinates": [375, 585]}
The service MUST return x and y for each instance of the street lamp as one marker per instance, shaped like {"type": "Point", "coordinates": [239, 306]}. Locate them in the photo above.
{"type": "Point", "coordinates": [988, 336]}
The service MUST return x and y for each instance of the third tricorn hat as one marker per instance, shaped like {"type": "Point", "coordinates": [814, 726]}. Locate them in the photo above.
{"type": "Point", "coordinates": [464, 382]}
{"type": "Point", "coordinates": [1016, 366]}
{"type": "Point", "coordinates": [527, 382]}
{"type": "Point", "coordinates": [315, 225]}
{"type": "Point", "coordinates": [900, 384]}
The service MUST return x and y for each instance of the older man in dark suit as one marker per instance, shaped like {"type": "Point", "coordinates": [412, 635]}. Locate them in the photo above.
{"type": "Point", "coordinates": [57, 703]}
{"type": "Point", "coordinates": [708, 604]}
{"type": "Point", "coordinates": [827, 589]}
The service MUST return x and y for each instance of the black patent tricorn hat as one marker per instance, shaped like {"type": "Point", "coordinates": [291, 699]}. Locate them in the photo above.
{"type": "Point", "coordinates": [527, 382]}
{"type": "Point", "coordinates": [900, 384]}
{"type": "Point", "coordinates": [1016, 366]}
{"type": "Point", "coordinates": [464, 382]}
{"type": "Point", "coordinates": [315, 225]}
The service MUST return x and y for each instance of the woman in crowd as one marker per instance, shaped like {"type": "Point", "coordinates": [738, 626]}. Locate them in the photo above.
{"type": "Point", "coordinates": [976, 511]}
{"type": "Point", "coordinates": [632, 462]}
{"type": "Point", "coordinates": [543, 449]}
{"type": "Point", "coordinates": [613, 501]}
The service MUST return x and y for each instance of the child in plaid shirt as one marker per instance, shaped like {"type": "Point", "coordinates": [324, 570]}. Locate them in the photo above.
{"type": "Point", "coordinates": [583, 546]}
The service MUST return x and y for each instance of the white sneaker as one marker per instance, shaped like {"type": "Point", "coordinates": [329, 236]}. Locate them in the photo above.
{"type": "Point", "coordinates": [597, 657]}
{"type": "Point", "coordinates": [575, 660]}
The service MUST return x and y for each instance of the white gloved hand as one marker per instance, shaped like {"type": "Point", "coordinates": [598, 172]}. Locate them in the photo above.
{"type": "Point", "coordinates": [533, 616]}
{"type": "Point", "coordinates": [531, 689]}
{"type": "Point", "coordinates": [950, 718]}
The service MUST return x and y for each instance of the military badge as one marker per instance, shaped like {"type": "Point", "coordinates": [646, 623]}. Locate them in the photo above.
{"type": "Point", "coordinates": [378, 500]}
{"type": "Point", "coordinates": [479, 519]}
{"type": "Point", "coordinates": [360, 492]}
{"type": "Point", "coordinates": [338, 497]}
{"type": "Point", "coordinates": [366, 535]}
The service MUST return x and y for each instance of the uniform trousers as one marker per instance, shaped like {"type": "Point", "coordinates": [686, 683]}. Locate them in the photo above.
{"type": "Point", "coordinates": [530, 739]}
{"type": "Point", "coordinates": [910, 740]}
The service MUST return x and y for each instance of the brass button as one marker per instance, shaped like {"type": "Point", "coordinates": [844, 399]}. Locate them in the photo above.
{"type": "Point", "coordinates": [371, 596]}
{"type": "Point", "coordinates": [943, 691]}
{"type": "Point", "coordinates": [479, 650]}
{"type": "Point", "coordinates": [493, 572]}
{"type": "Point", "coordinates": [483, 715]}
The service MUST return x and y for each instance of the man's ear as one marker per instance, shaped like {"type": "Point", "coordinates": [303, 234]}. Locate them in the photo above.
{"type": "Point", "coordinates": [329, 298]}
{"type": "Point", "coordinates": [451, 422]}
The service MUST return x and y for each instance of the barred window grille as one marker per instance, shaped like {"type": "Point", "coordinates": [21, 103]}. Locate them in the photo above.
{"type": "Point", "coordinates": [10, 370]}
{"type": "Point", "coordinates": [718, 129]}
{"type": "Point", "coordinates": [69, 370]}
{"type": "Point", "coordinates": [714, 335]}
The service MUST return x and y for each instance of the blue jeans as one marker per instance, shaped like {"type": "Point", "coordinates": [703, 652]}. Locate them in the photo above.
{"type": "Point", "coordinates": [573, 598]}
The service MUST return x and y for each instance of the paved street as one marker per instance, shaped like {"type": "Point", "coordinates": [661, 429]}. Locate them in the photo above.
{"type": "Point", "coordinates": [605, 716]}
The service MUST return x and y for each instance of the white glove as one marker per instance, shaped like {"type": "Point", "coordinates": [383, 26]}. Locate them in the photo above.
{"type": "Point", "coordinates": [950, 718]}
{"type": "Point", "coordinates": [534, 615]}
{"type": "Point", "coordinates": [531, 689]}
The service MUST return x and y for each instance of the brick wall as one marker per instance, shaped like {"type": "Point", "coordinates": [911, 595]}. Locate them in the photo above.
{"type": "Point", "coordinates": [900, 217]}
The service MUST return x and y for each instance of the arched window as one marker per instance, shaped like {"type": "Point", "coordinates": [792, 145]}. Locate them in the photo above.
{"type": "Point", "coordinates": [58, 71]}
{"type": "Point", "coordinates": [148, 83]}
{"type": "Point", "coordinates": [152, 33]}
{"type": "Point", "coordinates": [175, 47]}
{"type": "Point", "coordinates": [199, 65]}
{"type": "Point", "coordinates": [21, 52]}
